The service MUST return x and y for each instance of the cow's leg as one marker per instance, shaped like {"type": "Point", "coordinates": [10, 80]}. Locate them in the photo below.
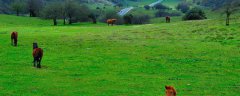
{"type": "Point", "coordinates": [39, 63]}
{"type": "Point", "coordinates": [11, 41]}
{"type": "Point", "coordinates": [34, 62]}
{"type": "Point", "coordinates": [15, 42]}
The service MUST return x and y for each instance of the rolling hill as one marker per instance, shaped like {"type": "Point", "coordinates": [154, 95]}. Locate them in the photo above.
{"type": "Point", "coordinates": [199, 58]}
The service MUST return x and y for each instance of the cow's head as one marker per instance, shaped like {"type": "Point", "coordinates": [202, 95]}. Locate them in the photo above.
{"type": "Point", "coordinates": [170, 91]}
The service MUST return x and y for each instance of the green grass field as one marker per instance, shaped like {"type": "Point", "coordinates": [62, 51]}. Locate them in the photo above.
{"type": "Point", "coordinates": [199, 58]}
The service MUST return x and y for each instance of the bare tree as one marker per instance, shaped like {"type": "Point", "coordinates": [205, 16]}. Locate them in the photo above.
{"type": "Point", "coordinates": [34, 7]}
{"type": "Point", "coordinates": [70, 10]}
{"type": "Point", "coordinates": [52, 11]}
{"type": "Point", "coordinates": [230, 7]}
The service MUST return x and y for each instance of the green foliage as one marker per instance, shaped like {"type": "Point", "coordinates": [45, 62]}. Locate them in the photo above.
{"type": "Point", "coordinates": [18, 6]}
{"type": "Point", "coordinates": [53, 11]}
{"type": "Point", "coordinates": [195, 14]}
{"type": "Point", "coordinates": [141, 19]}
{"type": "Point", "coordinates": [147, 7]}
{"type": "Point", "coordinates": [161, 7]}
{"type": "Point", "coordinates": [128, 19]}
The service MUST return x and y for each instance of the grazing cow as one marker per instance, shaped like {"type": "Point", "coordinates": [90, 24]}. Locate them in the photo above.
{"type": "Point", "coordinates": [14, 38]}
{"type": "Point", "coordinates": [170, 91]}
{"type": "Point", "coordinates": [37, 56]}
{"type": "Point", "coordinates": [111, 21]}
{"type": "Point", "coordinates": [168, 19]}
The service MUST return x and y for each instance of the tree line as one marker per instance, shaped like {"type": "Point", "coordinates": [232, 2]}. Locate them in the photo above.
{"type": "Point", "coordinates": [70, 11]}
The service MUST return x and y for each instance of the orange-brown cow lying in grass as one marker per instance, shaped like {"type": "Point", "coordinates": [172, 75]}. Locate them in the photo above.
{"type": "Point", "coordinates": [111, 21]}
{"type": "Point", "coordinates": [37, 57]}
{"type": "Point", "coordinates": [170, 91]}
{"type": "Point", "coordinates": [14, 38]}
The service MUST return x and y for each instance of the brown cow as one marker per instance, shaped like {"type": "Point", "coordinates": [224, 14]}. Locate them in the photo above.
{"type": "Point", "coordinates": [111, 21]}
{"type": "Point", "coordinates": [37, 57]}
{"type": "Point", "coordinates": [168, 19]}
{"type": "Point", "coordinates": [170, 91]}
{"type": "Point", "coordinates": [14, 38]}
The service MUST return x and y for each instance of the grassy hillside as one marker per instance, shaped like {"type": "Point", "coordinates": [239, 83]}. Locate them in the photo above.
{"type": "Point", "coordinates": [199, 58]}
{"type": "Point", "coordinates": [171, 3]}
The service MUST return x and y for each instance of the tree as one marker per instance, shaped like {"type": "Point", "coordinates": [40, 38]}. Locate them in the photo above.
{"type": "Point", "coordinates": [230, 7]}
{"type": "Point", "coordinates": [34, 7]}
{"type": "Point", "coordinates": [70, 10]}
{"type": "Point", "coordinates": [195, 14]}
{"type": "Point", "coordinates": [147, 7]}
{"type": "Point", "coordinates": [52, 11]}
{"type": "Point", "coordinates": [161, 7]}
{"type": "Point", "coordinates": [128, 19]}
{"type": "Point", "coordinates": [18, 6]}
{"type": "Point", "coordinates": [141, 19]}
{"type": "Point", "coordinates": [94, 17]}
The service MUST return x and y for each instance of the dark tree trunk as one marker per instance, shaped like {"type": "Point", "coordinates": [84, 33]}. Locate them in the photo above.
{"type": "Point", "coordinates": [64, 20]}
{"type": "Point", "coordinates": [54, 21]}
{"type": "Point", "coordinates": [228, 19]}
{"type": "Point", "coordinates": [70, 20]}
{"type": "Point", "coordinates": [17, 12]}
{"type": "Point", "coordinates": [32, 13]}
{"type": "Point", "coordinates": [94, 21]}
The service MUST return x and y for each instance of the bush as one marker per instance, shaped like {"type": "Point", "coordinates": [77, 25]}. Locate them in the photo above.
{"type": "Point", "coordinates": [147, 7]}
{"type": "Point", "coordinates": [141, 19]}
{"type": "Point", "coordinates": [183, 6]}
{"type": "Point", "coordinates": [128, 19]}
{"type": "Point", "coordinates": [164, 14]}
{"type": "Point", "coordinates": [195, 14]}
{"type": "Point", "coordinates": [161, 7]}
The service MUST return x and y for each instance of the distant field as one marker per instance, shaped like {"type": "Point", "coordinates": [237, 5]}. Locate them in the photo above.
{"type": "Point", "coordinates": [199, 58]}
{"type": "Point", "coordinates": [141, 4]}
{"type": "Point", "coordinates": [171, 3]}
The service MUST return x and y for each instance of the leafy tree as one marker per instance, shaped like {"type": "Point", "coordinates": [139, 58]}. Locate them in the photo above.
{"type": "Point", "coordinates": [161, 7]}
{"type": "Point", "coordinates": [195, 14]}
{"type": "Point", "coordinates": [52, 11]}
{"type": "Point", "coordinates": [141, 19]}
{"type": "Point", "coordinates": [94, 17]}
{"type": "Point", "coordinates": [18, 6]}
{"type": "Point", "coordinates": [147, 7]}
{"type": "Point", "coordinates": [34, 7]}
{"type": "Point", "coordinates": [128, 19]}
{"type": "Point", "coordinates": [70, 10]}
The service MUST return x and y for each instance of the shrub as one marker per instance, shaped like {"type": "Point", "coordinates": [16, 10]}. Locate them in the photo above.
{"type": "Point", "coordinates": [164, 14]}
{"type": "Point", "coordinates": [161, 7]}
{"type": "Point", "coordinates": [195, 14]}
{"type": "Point", "coordinates": [147, 7]}
{"type": "Point", "coordinates": [141, 19]}
{"type": "Point", "coordinates": [128, 19]}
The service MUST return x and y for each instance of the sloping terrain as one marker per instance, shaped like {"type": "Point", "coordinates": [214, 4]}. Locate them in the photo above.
{"type": "Point", "coordinates": [199, 58]}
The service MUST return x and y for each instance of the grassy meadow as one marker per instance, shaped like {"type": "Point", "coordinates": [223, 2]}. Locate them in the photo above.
{"type": "Point", "coordinates": [198, 58]}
